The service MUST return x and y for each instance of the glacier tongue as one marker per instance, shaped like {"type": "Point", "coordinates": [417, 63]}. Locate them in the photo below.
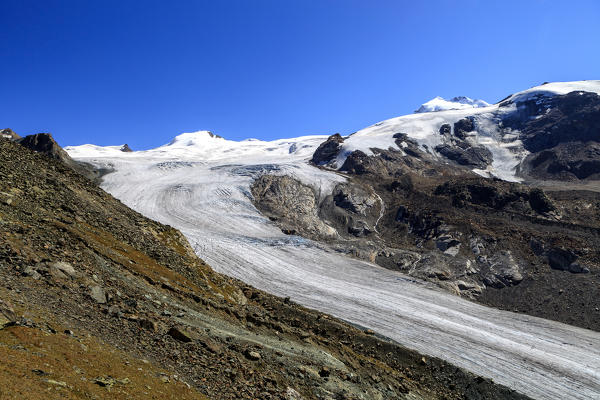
{"type": "Point", "coordinates": [203, 190]}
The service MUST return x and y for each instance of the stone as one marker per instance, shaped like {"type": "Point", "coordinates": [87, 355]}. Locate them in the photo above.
{"type": "Point", "coordinates": [448, 245]}
{"type": "Point", "coordinates": [211, 346]}
{"type": "Point", "coordinates": [65, 268]}
{"type": "Point", "coordinates": [56, 383]}
{"type": "Point", "coordinates": [114, 311]}
{"type": "Point", "coordinates": [291, 394]}
{"type": "Point", "coordinates": [7, 314]}
{"type": "Point", "coordinates": [148, 324]}
{"type": "Point", "coordinates": [252, 355]}
{"type": "Point", "coordinates": [31, 272]}
{"type": "Point", "coordinates": [559, 258]}
{"type": "Point", "coordinates": [324, 372]}
{"type": "Point", "coordinates": [98, 294]}
{"type": "Point", "coordinates": [180, 334]}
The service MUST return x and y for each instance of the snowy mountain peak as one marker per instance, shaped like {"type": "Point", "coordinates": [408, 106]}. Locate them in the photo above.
{"type": "Point", "coordinates": [198, 138]}
{"type": "Point", "coordinates": [456, 103]}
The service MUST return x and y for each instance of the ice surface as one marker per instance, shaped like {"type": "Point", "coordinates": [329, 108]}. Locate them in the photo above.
{"type": "Point", "coordinates": [200, 184]}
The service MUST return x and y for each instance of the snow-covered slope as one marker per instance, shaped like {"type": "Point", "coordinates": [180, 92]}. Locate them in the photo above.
{"type": "Point", "coordinates": [456, 103]}
{"type": "Point", "coordinates": [199, 183]}
{"type": "Point", "coordinates": [505, 145]}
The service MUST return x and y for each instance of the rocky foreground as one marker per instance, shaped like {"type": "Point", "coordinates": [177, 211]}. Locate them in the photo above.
{"type": "Point", "coordinates": [99, 302]}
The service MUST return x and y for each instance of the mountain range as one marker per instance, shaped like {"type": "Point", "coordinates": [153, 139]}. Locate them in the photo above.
{"type": "Point", "coordinates": [467, 232]}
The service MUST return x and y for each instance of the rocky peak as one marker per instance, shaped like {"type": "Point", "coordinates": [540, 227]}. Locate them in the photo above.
{"type": "Point", "coordinates": [44, 143]}
{"type": "Point", "coordinates": [9, 134]}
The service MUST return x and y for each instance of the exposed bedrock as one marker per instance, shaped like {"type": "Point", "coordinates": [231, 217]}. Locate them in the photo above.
{"type": "Point", "coordinates": [420, 242]}
{"type": "Point", "coordinates": [291, 204]}
{"type": "Point", "coordinates": [328, 150]}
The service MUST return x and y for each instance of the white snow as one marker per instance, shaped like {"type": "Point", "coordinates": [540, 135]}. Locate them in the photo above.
{"type": "Point", "coordinates": [424, 127]}
{"type": "Point", "coordinates": [200, 184]}
{"type": "Point", "coordinates": [556, 88]}
{"type": "Point", "coordinates": [456, 103]}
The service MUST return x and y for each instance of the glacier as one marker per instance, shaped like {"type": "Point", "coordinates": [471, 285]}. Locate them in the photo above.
{"type": "Point", "coordinates": [200, 183]}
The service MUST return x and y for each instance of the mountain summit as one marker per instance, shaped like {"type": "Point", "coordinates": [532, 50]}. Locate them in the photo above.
{"type": "Point", "coordinates": [456, 103]}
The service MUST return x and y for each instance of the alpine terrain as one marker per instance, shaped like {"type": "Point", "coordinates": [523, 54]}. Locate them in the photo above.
{"type": "Point", "coordinates": [450, 253]}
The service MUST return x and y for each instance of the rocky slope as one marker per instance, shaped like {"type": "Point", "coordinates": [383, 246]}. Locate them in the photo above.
{"type": "Point", "coordinates": [99, 301]}
{"type": "Point", "coordinates": [415, 201]}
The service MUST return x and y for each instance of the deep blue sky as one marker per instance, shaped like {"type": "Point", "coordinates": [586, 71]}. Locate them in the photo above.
{"type": "Point", "coordinates": [110, 72]}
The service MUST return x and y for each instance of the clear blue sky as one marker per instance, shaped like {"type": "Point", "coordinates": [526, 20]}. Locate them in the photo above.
{"type": "Point", "coordinates": [110, 72]}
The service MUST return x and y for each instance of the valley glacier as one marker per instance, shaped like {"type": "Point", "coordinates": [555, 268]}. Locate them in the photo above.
{"type": "Point", "coordinates": [200, 184]}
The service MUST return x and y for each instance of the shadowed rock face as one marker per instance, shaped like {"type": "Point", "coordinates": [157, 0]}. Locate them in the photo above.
{"type": "Point", "coordinates": [44, 143]}
{"type": "Point", "coordinates": [562, 134]}
{"type": "Point", "coordinates": [472, 156]}
{"type": "Point", "coordinates": [547, 122]}
{"type": "Point", "coordinates": [328, 150]}
{"type": "Point", "coordinates": [567, 162]}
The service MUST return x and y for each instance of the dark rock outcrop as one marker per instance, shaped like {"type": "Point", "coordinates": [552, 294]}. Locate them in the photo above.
{"type": "Point", "coordinates": [573, 117]}
{"type": "Point", "coordinates": [566, 161]}
{"type": "Point", "coordinates": [463, 126]}
{"type": "Point", "coordinates": [561, 132]}
{"type": "Point", "coordinates": [496, 194]}
{"type": "Point", "coordinates": [45, 144]}
{"type": "Point", "coordinates": [476, 157]}
{"type": "Point", "coordinates": [328, 150]}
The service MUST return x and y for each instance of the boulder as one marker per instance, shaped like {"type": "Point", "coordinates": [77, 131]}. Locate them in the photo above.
{"type": "Point", "coordinates": [63, 268]}
{"type": "Point", "coordinates": [98, 294]}
{"type": "Point", "coordinates": [252, 355]}
{"type": "Point", "coordinates": [181, 334]}
{"type": "Point", "coordinates": [7, 314]}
